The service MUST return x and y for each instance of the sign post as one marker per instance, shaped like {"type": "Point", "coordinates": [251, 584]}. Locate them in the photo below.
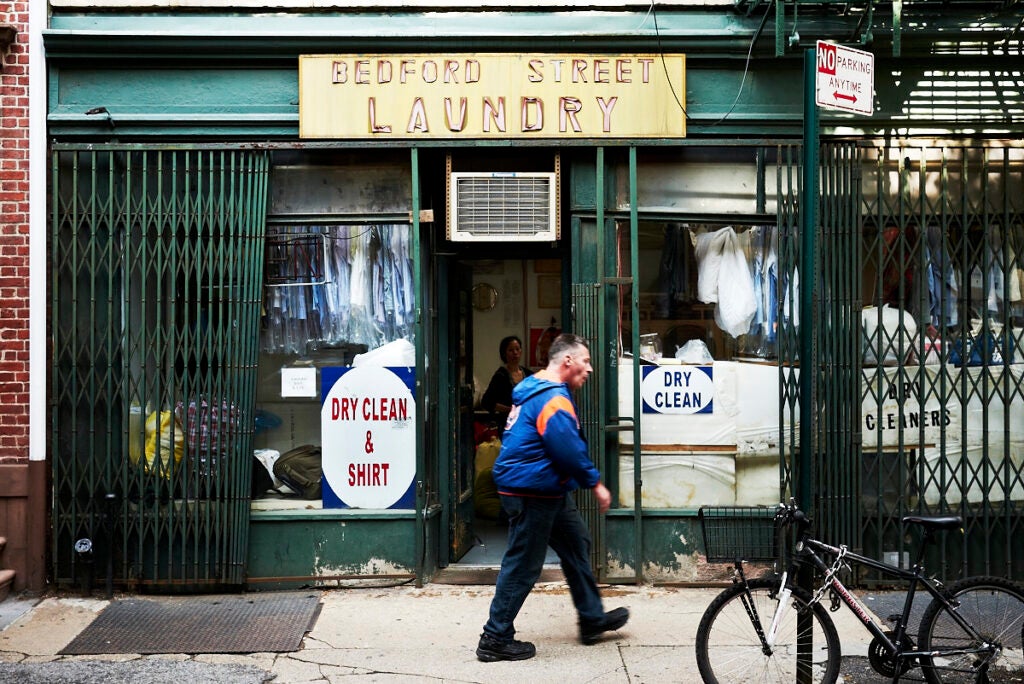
{"type": "Point", "coordinates": [845, 79]}
{"type": "Point", "coordinates": [842, 78]}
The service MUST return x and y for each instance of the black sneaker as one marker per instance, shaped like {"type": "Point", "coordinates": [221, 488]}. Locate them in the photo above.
{"type": "Point", "coordinates": [590, 632]}
{"type": "Point", "coordinates": [490, 649]}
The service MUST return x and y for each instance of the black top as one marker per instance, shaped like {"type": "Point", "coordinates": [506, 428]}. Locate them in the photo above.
{"type": "Point", "coordinates": [500, 389]}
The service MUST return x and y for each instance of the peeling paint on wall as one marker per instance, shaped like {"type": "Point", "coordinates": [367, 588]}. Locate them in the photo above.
{"type": "Point", "coordinates": [371, 567]}
{"type": "Point", "coordinates": [617, 569]}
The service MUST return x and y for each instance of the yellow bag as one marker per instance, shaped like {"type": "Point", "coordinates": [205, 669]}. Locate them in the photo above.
{"type": "Point", "coordinates": [486, 454]}
{"type": "Point", "coordinates": [164, 437]}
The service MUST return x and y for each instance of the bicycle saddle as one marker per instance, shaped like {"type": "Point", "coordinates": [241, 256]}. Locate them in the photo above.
{"type": "Point", "coordinates": [942, 522]}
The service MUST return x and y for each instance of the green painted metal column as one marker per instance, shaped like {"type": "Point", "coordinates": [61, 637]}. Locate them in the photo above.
{"type": "Point", "coordinates": [634, 269]}
{"type": "Point", "coordinates": [421, 400]}
{"type": "Point", "coordinates": [808, 319]}
{"type": "Point", "coordinates": [808, 267]}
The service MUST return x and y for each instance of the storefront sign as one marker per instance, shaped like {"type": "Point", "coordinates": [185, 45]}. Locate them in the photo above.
{"type": "Point", "coordinates": [677, 389]}
{"type": "Point", "coordinates": [492, 96]}
{"type": "Point", "coordinates": [368, 437]}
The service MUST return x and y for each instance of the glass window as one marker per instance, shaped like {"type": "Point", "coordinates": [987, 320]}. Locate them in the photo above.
{"type": "Point", "coordinates": [708, 382]}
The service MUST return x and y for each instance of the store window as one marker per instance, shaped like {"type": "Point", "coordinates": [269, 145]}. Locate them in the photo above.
{"type": "Point", "coordinates": [707, 313]}
{"type": "Point", "coordinates": [942, 326]}
{"type": "Point", "coordinates": [708, 375]}
{"type": "Point", "coordinates": [338, 293]}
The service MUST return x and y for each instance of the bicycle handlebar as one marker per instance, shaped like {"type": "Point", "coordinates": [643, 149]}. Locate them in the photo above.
{"type": "Point", "coordinates": [790, 513]}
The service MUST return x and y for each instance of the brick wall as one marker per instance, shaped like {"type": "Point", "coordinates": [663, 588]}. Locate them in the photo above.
{"type": "Point", "coordinates": [14, 380]}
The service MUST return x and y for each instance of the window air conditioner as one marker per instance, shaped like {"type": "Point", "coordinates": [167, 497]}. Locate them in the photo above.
{"type": "Point", "coordinates": [503, 206]}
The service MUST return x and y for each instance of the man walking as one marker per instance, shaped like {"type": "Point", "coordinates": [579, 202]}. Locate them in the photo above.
{"type": "Point", "coordinates": [543, 459]}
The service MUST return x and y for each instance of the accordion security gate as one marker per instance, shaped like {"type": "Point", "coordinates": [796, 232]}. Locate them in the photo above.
{"type": "Point", "coordinates": [156, 267]}
{"type": "Point", "coordinates": [834, 350]}
{"type": "Point", "coordinates": [943, 369]}
{"type": "Point", "coordinates": [919, 383]}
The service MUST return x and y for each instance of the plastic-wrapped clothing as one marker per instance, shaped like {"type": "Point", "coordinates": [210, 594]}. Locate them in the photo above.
{"type": "Point", "coordinates": [758, 240]}
{"type": "Point", "coordinates": [943, 289]}
{"type": "Point", "coordinates": [886, 331]}
{"type": "Point", "coordinates": [771, 295]}
{"type": "Point", "coordinates": [361, 328]}
{"type": "Point", "coordinates": [724, 279]}
{"type": "Point", "coordinates": [367, 297]}
{"type": "Point", "coordinates": [673, 272]}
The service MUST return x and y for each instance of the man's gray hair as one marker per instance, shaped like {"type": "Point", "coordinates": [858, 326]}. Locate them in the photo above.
{"type": "Point", "coordinates": [566, 343]}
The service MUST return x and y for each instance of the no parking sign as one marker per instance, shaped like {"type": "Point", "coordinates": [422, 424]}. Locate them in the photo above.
{"type": "Point", "coordinates": [368, 437]}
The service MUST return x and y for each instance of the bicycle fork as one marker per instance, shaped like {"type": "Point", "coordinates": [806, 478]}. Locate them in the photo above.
{"type": "Point", "coordinates": [767, 640]}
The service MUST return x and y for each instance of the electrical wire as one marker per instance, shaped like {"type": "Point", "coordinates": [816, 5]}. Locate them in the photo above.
{"type": "Point", "coordinates": [661, 52]}
{"type": "Point", "coordinates": [746, 67]}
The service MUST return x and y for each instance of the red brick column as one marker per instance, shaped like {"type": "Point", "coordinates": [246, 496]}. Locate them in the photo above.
{"type": "Point", "coordinates": [23, 529]}
{"type": "Point", "coordinates": [14, 221]}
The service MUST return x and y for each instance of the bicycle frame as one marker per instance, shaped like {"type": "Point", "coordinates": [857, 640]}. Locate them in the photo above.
{"type": "Point", "coordinates": [809, 552]}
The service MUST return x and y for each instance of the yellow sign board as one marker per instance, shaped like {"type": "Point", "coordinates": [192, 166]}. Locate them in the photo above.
{"type": "Point", "coordinates": [492, 96]}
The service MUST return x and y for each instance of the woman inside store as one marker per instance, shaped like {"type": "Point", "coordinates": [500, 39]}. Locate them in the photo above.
{"type": "Point", "coordinates": [498, 397]}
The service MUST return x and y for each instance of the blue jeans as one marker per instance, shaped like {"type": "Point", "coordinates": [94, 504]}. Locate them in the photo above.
{"type": "Point", "coordinates": [534, 524]}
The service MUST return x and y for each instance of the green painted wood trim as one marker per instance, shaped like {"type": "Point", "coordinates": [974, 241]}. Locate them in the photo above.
{"type": "Point", "coordinates": [654, 512]}
{"type": "Point", "coordinates": [318, 548]}
{"type": "Point", "coordinates": [671, 549]}
{"type": "Point", "coordinates": [185, 34]}
{"type": "Point", "coordinates": [423, 478]}
{"type": "Point", "coordinates": [216, 101]}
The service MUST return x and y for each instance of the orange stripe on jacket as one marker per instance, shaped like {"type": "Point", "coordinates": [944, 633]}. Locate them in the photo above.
{"type": "Point", "coordinates": [558, 403]}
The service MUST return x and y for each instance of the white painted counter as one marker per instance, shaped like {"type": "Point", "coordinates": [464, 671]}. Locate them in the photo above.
{"type": "Point", "coordinates": [728, 456]}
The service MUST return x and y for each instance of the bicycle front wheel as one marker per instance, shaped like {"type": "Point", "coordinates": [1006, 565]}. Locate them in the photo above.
{"type": "Point", "coordinates": [995, 608]}
{"type": "Point", "coordinates": [729, 648]}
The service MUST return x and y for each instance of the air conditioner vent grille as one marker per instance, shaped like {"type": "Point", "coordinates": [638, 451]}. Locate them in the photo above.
{"type": "Point", "coordinates": [496, 206]}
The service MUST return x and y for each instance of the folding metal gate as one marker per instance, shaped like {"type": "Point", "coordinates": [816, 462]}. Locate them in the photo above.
{"type": "Point", "coordinates": [586, 322]}
{"type": "Point", "coordinates": [943, 369]}
{"type": "Point", "coordinates": [918, 389]}
{"type": "Point", "coordinates": [157, 269]}
{"type": "Point", "coordinates": [834, 349]}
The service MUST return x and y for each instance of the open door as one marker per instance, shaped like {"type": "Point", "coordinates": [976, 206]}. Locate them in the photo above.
{"type": "Point", "coordinates": [460, 382]}
{"type": "Point", "coordinates": [491, 295]}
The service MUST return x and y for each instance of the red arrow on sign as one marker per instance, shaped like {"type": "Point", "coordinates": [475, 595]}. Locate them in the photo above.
{"type": "Point", "coordinates": [843, 96]}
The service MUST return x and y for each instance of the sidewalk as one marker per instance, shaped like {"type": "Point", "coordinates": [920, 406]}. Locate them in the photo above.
{"type": "Point", "coordinates": [399, 634]}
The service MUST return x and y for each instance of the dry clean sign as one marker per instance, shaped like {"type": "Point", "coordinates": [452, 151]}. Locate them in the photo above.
{"type": "Point", "coordinates": [678, 389]}
{"type": "Point", "coordinates": [368, 419]}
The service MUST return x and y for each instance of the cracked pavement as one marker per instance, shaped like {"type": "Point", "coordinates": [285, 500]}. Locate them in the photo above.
{"type": "Point", "coordinates": [396, 634]}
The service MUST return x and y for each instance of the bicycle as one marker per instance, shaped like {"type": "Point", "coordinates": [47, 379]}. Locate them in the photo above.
{"type": "Point", "coordinates": [770, 630]}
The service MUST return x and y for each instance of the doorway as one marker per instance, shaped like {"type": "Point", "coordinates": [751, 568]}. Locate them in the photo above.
{"type": "Point", "coordinates": [494, 294]}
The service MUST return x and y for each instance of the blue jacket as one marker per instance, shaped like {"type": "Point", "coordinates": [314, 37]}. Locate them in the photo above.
{"type": "Point", "coordinates": [543, 452]}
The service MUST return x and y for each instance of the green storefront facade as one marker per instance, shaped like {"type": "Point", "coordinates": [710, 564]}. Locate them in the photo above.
{"type": "Point", "coordinates": [192, 218]}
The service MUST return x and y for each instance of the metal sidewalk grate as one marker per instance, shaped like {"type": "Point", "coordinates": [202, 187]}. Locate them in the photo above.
{"type": "Point", "coordinates": [273, 623]}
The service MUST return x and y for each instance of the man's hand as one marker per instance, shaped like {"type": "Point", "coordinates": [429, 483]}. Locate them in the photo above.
{"type": "Point", "coordinates": [603, 496]}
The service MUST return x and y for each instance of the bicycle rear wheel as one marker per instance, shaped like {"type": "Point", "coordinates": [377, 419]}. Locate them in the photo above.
{"type": "Point", "coordinates": [995, 608]}
{"type": "Point", "coordinates": [729, 649]}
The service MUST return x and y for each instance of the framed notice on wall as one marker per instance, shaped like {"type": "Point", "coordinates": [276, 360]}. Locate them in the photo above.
{"type": "Point", "coordinates": [549, 291]}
